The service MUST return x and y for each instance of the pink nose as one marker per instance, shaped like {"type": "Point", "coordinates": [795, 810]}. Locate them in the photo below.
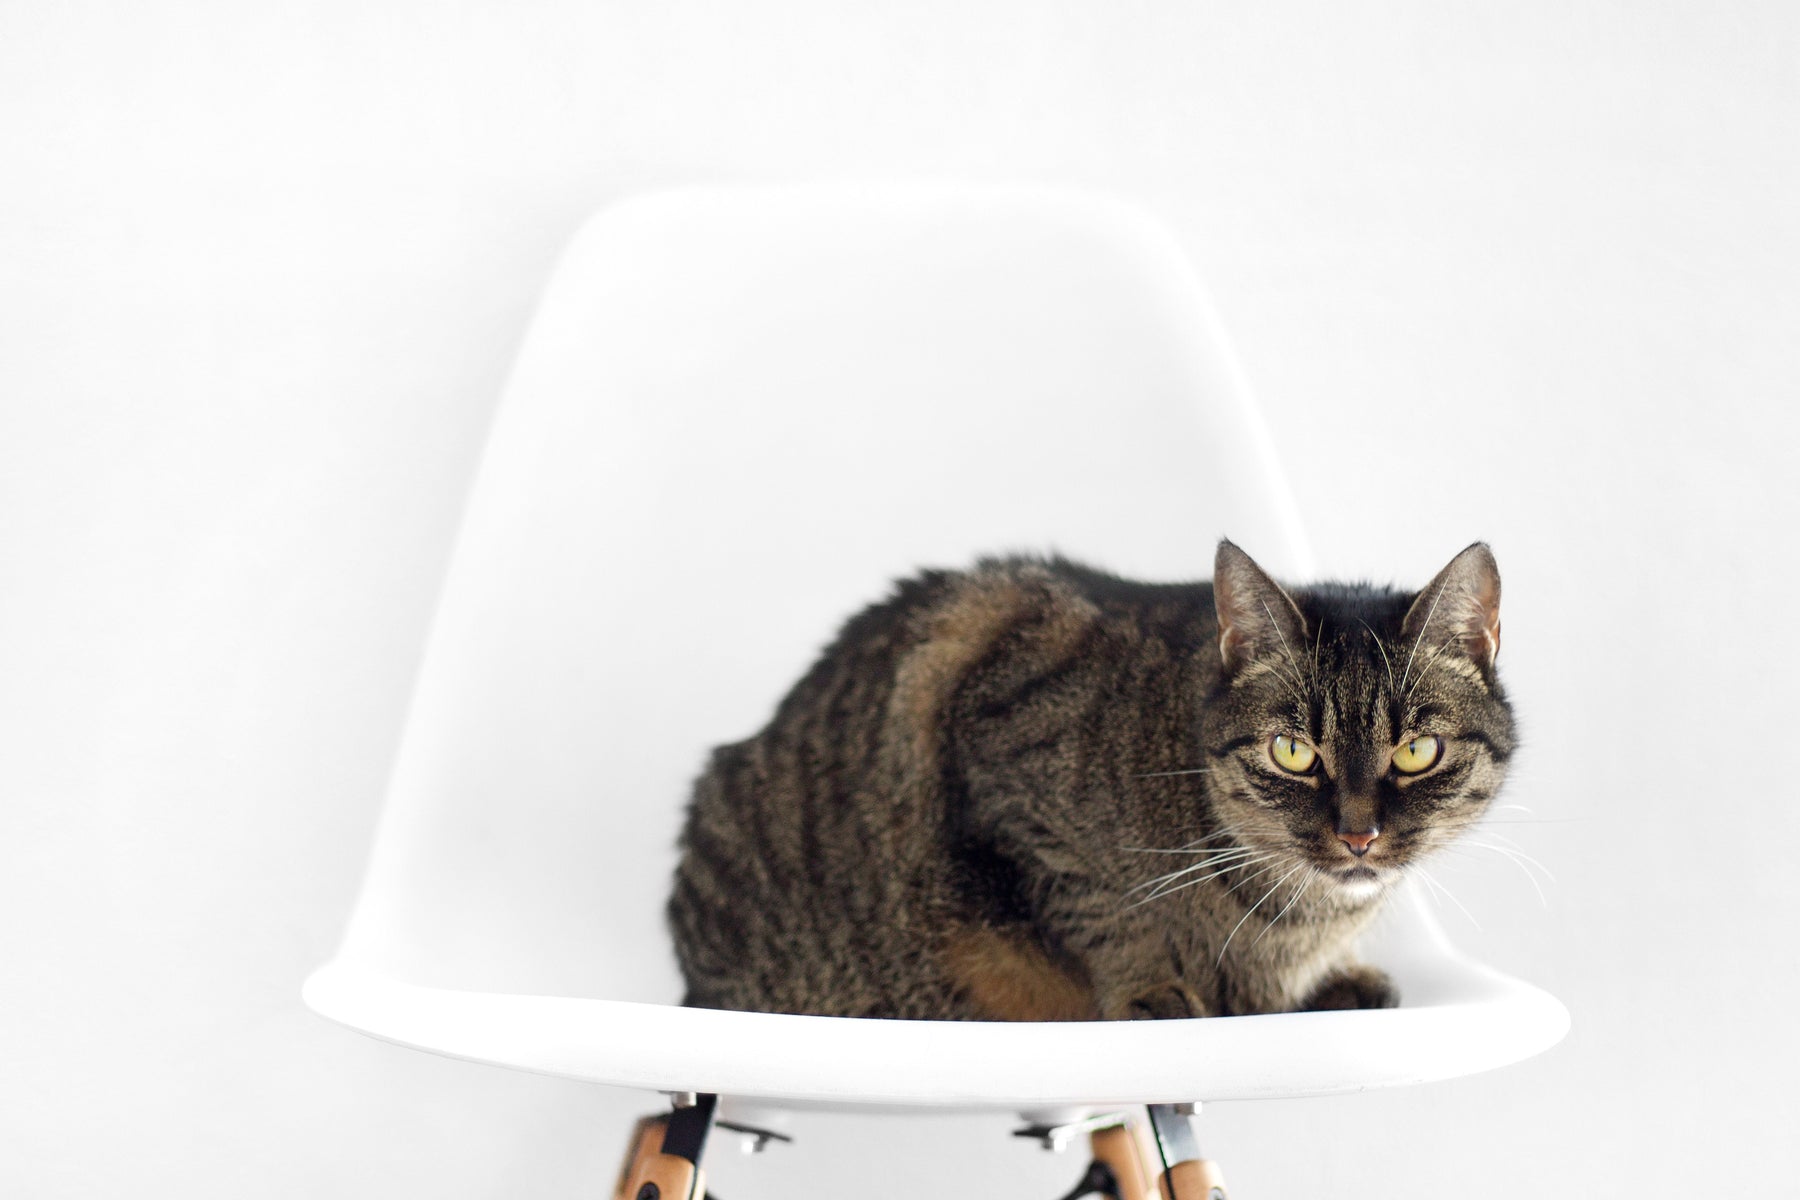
{"type": "Point", "coordinates": [1359, 842]}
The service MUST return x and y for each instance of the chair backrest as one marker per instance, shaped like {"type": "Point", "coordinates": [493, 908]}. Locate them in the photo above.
{"type": "Point", "coordinates": [738, 415]}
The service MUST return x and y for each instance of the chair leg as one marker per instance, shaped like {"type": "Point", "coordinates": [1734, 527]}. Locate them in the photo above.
{"type": "Point", "coordinates": [1184, 1174]}
{"type": "Point", "coordinates": [1129, 1154]}
{"type": "Point", "coordinates": [1196, 1179]}
{"type": "Point", "coordinates": [1125, 1152]}
{"type": "Point", "coordinates": [663, 1160]}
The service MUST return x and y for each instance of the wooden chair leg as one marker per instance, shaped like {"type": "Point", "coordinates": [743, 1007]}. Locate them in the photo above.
{"type": "Point", "coordinates": [1196, 1179]}
{"type": "Point", "coordinates": [1127, 1154]}
{"type": "Point", "coordinates": [663, 1159]}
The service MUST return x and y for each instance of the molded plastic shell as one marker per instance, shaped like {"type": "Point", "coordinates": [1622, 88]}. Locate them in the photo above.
{"type": "Point", "coordinates": [738, 414]}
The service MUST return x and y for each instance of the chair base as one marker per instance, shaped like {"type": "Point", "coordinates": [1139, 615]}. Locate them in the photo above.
{"type": "Point", "coordinates": [1133, 1152]}
{"type": "Point", "coordinates": [662, 1160]}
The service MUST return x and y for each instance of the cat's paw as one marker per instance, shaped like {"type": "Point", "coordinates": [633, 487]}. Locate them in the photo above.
{"type": "Point", "coordinates": [1164, 1002]}
{"type": "Point", "coordinates": [1359, 986]}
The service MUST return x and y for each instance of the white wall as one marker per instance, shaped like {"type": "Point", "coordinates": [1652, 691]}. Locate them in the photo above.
{"type": "Point", "coordinates": [1524, 273]}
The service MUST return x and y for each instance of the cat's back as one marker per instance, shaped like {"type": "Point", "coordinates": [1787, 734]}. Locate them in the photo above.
{"type": "Point", "coordinates": [882, 691]}
{"type": "Point", "coordinates": [813, 871]}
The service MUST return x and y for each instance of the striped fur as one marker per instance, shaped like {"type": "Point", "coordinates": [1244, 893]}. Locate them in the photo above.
{"type": "Point", "coordinates": [961, 809]}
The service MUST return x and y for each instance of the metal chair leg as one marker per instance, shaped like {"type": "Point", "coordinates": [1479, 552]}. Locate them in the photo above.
{"type": "Point", "coordinates": [1185, 1175]}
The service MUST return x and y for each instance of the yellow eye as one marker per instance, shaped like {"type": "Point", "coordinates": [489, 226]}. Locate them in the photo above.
{"type": "Point", "coordinates": [1420, 754]}
{"type": "Point", "coordinates": [1291, 755]}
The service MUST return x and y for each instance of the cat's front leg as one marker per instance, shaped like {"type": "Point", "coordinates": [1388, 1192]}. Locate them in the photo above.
{"type": "Point", "coordinates": [1136, 973]}
{"type": "Point", "coordinates": [1122, 949]}
{"type": "Point", "coordinates": [1133, 971]}
{"type": "Point", "coordinates": [1357, 985]}
{"type": "Point", "coordinates": [1172, 1000]}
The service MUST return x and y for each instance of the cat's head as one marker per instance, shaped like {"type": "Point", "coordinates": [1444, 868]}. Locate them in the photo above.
{"type": "Point", "coordinates": [1354, 728]}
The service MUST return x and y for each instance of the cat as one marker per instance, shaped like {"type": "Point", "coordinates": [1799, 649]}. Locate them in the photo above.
{"type": "Point", "coordinates": [1035, 791]}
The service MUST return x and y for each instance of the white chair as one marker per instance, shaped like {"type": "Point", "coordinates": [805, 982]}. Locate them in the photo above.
{"type": "Point", "coordinates": [738, 415]}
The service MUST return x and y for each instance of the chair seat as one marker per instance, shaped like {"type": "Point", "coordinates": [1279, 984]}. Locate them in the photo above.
{"type": "Point", "coordinates": [1459, 1017]}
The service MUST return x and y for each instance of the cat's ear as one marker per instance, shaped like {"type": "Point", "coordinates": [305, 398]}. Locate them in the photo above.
{"type": "Point", "coordinates": [1460, 608]}
{"type": "Point", "coordinates": [1256, 618]}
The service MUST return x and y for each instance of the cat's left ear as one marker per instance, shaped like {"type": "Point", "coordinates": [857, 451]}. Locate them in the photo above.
{"type": "Point", "coordinates": [1460, 608]}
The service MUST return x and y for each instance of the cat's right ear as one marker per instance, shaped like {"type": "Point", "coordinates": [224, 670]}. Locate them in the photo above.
{"type": "Point", "coordinates": [1256, 617]}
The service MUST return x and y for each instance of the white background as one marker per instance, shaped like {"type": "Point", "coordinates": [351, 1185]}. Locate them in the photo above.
{"type": "Point", "coordinates": [1524, 272]}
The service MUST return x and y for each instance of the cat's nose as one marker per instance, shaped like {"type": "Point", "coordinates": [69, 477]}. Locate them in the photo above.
{"type": "Point", "coordinates": [1359, 842]}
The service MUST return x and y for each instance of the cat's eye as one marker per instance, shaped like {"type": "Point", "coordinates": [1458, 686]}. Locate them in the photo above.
{"type": "Point", "coordinates": [1291, 754]}
{"type": "Point", "coordinates": [1420, 754]}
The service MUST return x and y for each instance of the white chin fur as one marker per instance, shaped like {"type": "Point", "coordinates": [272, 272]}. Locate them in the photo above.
{"type": "Point", "coordinates": [1359, 889]}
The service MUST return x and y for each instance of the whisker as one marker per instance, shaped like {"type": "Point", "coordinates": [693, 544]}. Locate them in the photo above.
{"type": "Point", "coordinates": [1161, 774]}
{"type": "Point", "coordinates": [1219, 860]}
{"type": "Point", "coordinates": [1519, 850]}
{"type": "Point", "coordinates": [1465, 844]}
{"type": "Point", "coordinates": [1318, 640]}
{"type": "Point", "coordinates": [1426, 879]}
{"type": "Point", "coordinates": [1299, 683]}
{"type": "Point", "coordinates": [1426, 669]}
{"type": "Point", "coordinates": [1312, 873]}
{"type": "Point", "coordinates": [1171, 889]}
{"type": "Point", "coordinates": [1512, 849]}
{"type": "Point", "coordinates": [1534, 821]}
{"type": "Point", "coordinates": [1276, 867]}
{"type": "Point", "coordinates": [1162, 884]}
{"type": "Point", "coordinates": [1165, 885]}
{"type": "Point", "coordinates": [1168, 886]}
{"type": "Point", "coordinates": [1211, 837]}
{"type": "Point", "coordinates": [1384, 654]}
{"type": "Point", "coordinates": [1440, 889]}
{"type": "Point", "coordinates": [1259, 903]}
{"type": "Point", "coordinates": [1543, 899]}
{"type": "Point", "coordinates": [1429, 613]}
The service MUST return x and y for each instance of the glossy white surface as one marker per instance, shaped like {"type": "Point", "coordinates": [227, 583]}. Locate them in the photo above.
{"type": "Point", "coordinates": [1459, 1018]}
{"type": "Point", "coordinates": [879, 378]}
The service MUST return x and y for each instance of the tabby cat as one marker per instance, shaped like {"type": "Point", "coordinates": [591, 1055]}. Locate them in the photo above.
{"type": "Point", "coordinates": [1035, 791]}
